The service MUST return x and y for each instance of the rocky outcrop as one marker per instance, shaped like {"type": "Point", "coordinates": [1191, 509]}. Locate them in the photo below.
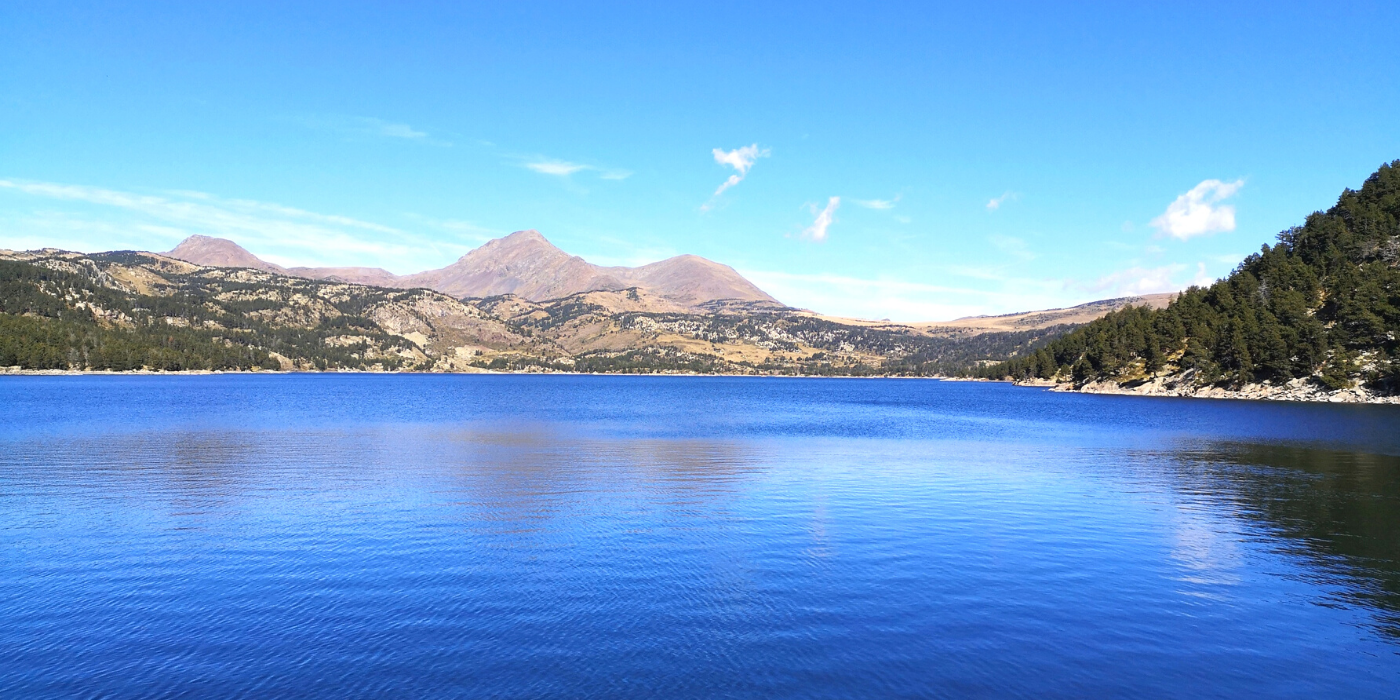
{"type": "Point", "coordinates": [1184, 384]}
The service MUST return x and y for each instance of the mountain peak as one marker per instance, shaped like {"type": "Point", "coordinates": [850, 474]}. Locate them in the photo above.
{"type": "Point", "coordinates": [218, 252]}
{"type": "Point", "coordinates": [524, 263]}
{"type": "Point", "coordinates": [528, 234]}
{"type": "Point", "coordinates": [527, 239]}
{"type": "Point", "coordinates": [527, 242]}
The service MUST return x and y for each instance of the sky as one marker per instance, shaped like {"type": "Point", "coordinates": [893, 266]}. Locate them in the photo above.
{"type": "Point", "coordinates": [915, 161]}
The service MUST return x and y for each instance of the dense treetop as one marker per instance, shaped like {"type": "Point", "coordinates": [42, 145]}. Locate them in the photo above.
{"type": "Point", "coordinates": [1322, 303]}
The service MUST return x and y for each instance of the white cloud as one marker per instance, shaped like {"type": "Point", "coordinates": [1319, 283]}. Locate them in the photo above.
{"type": "Point", "coordinates": [825, 217]}
{"type": "Point", "coordinates": [877, 203]}
{"type": "Point", "coordinates": [1199, 211]}
{"type": "Point", "coordinates": [564, 168]}
{"type": "Point", "coordinates": [995, 203]}
{"type": "Point", "coordinates": [741, 159]}
{"type": "Point", "coordinates": [94, 218]}
{"type": "Point", "coordinates": [1201, 279]}
{"type": "Point", "coordinates": [560, 168]}
{"type": "Point", "coordinates": [1135, 281]}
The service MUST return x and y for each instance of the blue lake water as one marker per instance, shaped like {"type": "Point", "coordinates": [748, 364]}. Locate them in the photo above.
{"type": "Point", "coordinates": [348, 536]}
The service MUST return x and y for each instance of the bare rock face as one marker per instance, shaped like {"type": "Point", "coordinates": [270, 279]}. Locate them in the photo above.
{"type": "Point", "coordinates": [523, 264]}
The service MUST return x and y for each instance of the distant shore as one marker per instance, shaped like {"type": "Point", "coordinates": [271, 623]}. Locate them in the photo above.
{"type": "Point", "coordinates": [12, 372]}
{"type": "Point", "coordinates": [1298, 390]}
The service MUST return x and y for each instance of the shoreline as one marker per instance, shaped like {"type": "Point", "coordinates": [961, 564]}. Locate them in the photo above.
{"type": "Point", "coordinates": [1298, 390]}
{"type": "Point", "coordinates": [7, 372]}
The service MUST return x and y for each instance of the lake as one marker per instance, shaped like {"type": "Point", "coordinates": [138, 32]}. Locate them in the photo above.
{"type": "Point", "coordinates": [425, 536]}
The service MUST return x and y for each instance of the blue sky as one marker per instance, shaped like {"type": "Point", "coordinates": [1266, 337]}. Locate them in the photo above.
{"type": "Point", "coordinates": [914, 161]}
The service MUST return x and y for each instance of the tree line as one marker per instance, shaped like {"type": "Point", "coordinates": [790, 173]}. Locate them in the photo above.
{"type": "Point", "coordinates": [1323, 302]}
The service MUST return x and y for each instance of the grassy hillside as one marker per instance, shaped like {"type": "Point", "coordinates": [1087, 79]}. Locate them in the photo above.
{"type": "Point", "coordinates": [127, 311]}
{"type": "Point", "coordinates": [130, 311]}
{"type": "Point", "coordinates": [1322, 303]}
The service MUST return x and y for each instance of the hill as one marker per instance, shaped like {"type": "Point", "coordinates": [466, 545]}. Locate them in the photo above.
{"type": "Point", "coordinates": [524, 264]}
{"type": "Point", "coordinates": [1046, 318]}
{"type": "Point", "coordinates": [129, 310]}
{"type": "Point", "coordinates": [1316, 313]}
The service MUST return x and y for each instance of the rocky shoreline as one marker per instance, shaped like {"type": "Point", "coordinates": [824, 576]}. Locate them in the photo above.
{"type": "Point", "coordinates": [1178, 386]}
{"type": "Point", "coordinates": [1183, 385]}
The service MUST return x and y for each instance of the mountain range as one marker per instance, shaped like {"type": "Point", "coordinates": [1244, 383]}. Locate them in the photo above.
{"type": "Point", "coordinates": [526, 265]}
{"type": "Point", "coordinates": [523, 264]}
{"type": "Point", "coordinates": [515, 303]}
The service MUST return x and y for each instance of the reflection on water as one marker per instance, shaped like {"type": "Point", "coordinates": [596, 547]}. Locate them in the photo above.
{"type": "Point", "coordinates": [1339, 509]}
{"type": "Point", "coordinates": [539, 536]}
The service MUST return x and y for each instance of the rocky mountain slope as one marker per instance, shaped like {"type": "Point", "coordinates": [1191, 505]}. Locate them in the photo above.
{"type": "Point", "coordinates": [130, 310]}
{"type": "Point", "coordinates": [221, 252]}
{"type": "Point", "coordinates": [523, 264]}
{"type": "Point", "coordinates": [1031, 320]}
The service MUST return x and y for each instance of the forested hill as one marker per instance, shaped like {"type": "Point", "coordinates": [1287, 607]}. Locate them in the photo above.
{"type": "Point", "coordinates": [1321, 305]}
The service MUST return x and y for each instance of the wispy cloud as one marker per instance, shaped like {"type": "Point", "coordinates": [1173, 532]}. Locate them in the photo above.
{"type": "Point", "coordinates": [877, 203]}
{"type": "Point", "coordinates": [398, 131]}
{"type": "Point", "coordinates": [1199, 211]}
{"type": "Point", "coordinates": [990, 290]}
{"type": "Point", "coordinates": [742, 160]}
{"type": "Point", "coordinates": [1136, 281]}
{"type": "Point", "coordinates": [95, 218]}
{"type": "Point", "coordinates": [995, 203]}
{"type": "Point", "coordinates": [371, 126]}
{"type": "Point", "coordinates": [825, 217]}
{"type": "Point", "coordinates": [905, 300]}
{"type": "Point", "coordinates": [558, 168]}
{"type": "Point", "coordinates": [463, 230]}
{"type": "Point", "coordinates": [564, 168]}
{"type": "Point", "coordinates": [1013, 247]}
{"type": "Point", "coordinates": [854, 297]}
{"type": "Point", "coordinates": [626, 253]}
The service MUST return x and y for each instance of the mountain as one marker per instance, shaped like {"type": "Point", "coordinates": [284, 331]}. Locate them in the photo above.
{"type": "Point", "coordinates": [125, 311]}
{"type": "Point", "coordinates": [1030, 320]}
{"type": "Point", "coordinates": [219, 252]}
{"type": "Point", "coordinates": [524, 264]}
{"type": "Point", "coordinates": [1318, 310]}
{"type": "Point", "coordinates": [373, 276]}
{"type": "Point", "coordinates": [693, 280]}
